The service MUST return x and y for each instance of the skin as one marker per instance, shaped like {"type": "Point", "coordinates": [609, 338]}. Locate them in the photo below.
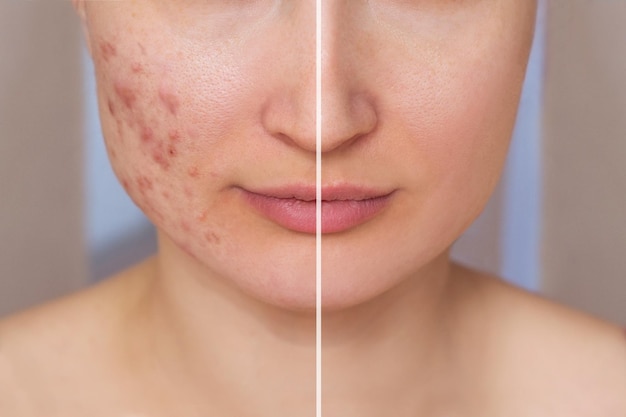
{"type": "Point", "coordinates": [206, 105]}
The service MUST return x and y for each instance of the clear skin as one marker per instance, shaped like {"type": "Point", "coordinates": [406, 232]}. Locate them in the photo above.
{"type": "Point", "coordinates": [201, 97]}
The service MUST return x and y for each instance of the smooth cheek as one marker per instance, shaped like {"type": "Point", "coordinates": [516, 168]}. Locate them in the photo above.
{"type": "Point", "coordinates": [448, 169]}
{"type": "Point", "coordinates": [463, 145]}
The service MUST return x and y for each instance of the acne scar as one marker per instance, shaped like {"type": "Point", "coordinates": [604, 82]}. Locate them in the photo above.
{"type": "Point", "coordinates": [212, 237]}
{"type": "Point", "coordinates": [126, 94]}
{"type": "Point", "coordinates": [144, 183]}
{"type": "Point", "coordinates": [107, 50]}
{"type": "Point", "coordinates": [159, 158]}
{"type": "Point", "coordinates": [202, 216]}
{"type": "Point", "coordinates": [147, 134]}
{"type": "Point", "coordinates": [170, 101]}
{"type": "Point", "coordinates": [174, 135]}
{"type": "Point", "coordinates": [111, 107]}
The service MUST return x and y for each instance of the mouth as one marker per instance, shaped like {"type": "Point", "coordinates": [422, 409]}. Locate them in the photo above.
{"type": "Point", "coordinates": [294, 207]}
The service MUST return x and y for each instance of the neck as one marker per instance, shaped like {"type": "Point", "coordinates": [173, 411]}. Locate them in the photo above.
{"type": "Point", "coordinates": [212, 338]}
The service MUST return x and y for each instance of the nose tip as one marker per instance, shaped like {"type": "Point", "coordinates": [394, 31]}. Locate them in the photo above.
{"type": "Point", "coordinates": [346, 117]}
{"type": "Point", "coordinates": [293, 121]}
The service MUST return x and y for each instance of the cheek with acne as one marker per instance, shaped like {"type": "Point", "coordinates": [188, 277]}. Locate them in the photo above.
{"type": "Point", "coordinates": [151, 145]}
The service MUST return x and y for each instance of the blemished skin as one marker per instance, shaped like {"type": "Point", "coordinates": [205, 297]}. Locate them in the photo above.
{"type": "Point", "coordinates": [201, 100]}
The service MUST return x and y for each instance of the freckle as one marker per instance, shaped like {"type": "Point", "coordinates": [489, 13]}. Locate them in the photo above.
{"type": "Point", "coordinates": [108, 50]}
{"type": "Point", "coordinates": [170, 101]}
{"type": "Point", "coordinates": [188, 192]}
{"type": "Point", "coordinates": [142, 48]}
{"type": "Point", "coordinates": [125, 94]}
{"type": "Point", "coordinates": [193, 172]}
{"type": "Point", "coordinates": [165, 195]}
{"type": "Point", "coordinates": [113, 154]}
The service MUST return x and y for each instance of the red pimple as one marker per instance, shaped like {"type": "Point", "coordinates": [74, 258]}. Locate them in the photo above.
{"type": "Point", "coordinates": [126, 94]}
{"type": "Point", "coordinates": [160, 159]}
{"type": "Point", "coordinates": [147, 134]}
{"type": "Point", "coordinates": [108, 50]}
{"type": "Point", "coordinates": [171, 151]}
{"type": "Point", "coordinates": [170, 101]}
{"type": "Point", "coordinates": [125, 184]}
{"type": "Point", "coordinates": [193, 172]}
{"type": "Point", "coordinates": [185, 226]}
{"type": "Point", "coordinates": [137, 68]}
{"type": "Point", "coordinates": [188, 192]}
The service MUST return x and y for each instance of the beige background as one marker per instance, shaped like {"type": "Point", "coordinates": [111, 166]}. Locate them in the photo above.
{"type": "Point", "coordinates": [41, 211]}
{"type": "Point", "coordinates": [584, 219]}
{"type": "Point", "coordinates": [583, 213]}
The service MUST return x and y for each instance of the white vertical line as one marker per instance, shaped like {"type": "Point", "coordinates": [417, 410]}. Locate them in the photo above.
{"type": "Point", "coordinates": [318, 208]}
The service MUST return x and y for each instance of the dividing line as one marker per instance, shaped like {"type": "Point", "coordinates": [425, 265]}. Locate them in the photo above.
{"type": "Point", "coordinates": [318, 208]}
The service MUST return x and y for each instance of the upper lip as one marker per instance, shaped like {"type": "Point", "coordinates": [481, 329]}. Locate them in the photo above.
{"type": "Point", "coordinates": [341, 192]}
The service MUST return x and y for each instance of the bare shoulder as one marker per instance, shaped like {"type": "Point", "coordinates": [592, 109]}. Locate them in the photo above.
{"type": "Point", "coordinates": [47, 352]}
{"type": "Point", "coordinates": [552, 360]}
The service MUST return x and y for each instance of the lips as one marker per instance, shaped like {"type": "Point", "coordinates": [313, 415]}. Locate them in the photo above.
{"type": "Point", "coordinates": [343, 207]}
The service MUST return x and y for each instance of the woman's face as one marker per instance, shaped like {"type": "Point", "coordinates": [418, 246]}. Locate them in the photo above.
{"type": "Point", "coordinates": [208, 110]}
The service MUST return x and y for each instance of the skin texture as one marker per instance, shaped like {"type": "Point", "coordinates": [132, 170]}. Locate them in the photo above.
{"type": "Point", "coordinates": [200, 99]}
{"type": "Point", "coordinates": [190, 117]}
{"type": "Point", "coordinates": [434, 87]}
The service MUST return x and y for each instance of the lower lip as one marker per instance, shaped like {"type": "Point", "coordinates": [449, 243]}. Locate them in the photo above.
{"type": "Point", "coordinates": [299, 215]}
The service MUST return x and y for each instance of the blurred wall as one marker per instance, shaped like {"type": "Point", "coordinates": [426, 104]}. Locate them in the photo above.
{"type": "Point", "coordinates": [584, 156]}
{"type": "Point", "coordinates": [42, 253]}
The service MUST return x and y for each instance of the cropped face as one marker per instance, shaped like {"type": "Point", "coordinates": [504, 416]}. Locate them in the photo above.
{"type": "Point", "coordinates": [430, 89]}
{"type": "Point", "coordinates": [195, 97]}
{"type": "Point", "coordinates": [208, 111]}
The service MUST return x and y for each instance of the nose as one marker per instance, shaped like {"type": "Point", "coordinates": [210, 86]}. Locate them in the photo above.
{"type": "Point", "coordinates": [348, 110]}
{"type": "Point", "coordinates": [348, 107]}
